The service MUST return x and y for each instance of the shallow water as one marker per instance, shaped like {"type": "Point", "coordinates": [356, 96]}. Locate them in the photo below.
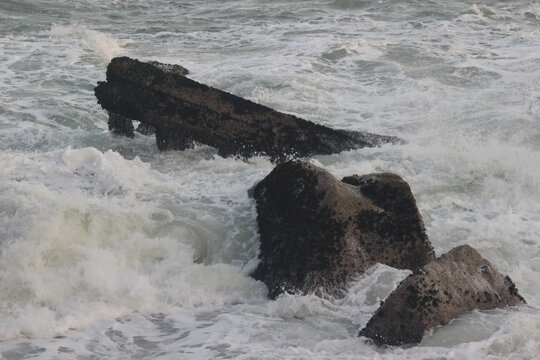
{"type": "Point", "coordinates": [110, 249]}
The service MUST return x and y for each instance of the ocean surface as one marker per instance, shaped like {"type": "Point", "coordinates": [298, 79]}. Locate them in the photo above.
{"type": "Point", "coordinates": [112, 250]}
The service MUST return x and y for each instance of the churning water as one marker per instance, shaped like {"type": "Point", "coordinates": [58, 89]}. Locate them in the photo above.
{"type": "Point", "coordinates": [109, 249]}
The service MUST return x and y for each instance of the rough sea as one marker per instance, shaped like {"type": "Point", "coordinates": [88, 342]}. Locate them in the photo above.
{"type": "Point", "coordinates": [112, 250]}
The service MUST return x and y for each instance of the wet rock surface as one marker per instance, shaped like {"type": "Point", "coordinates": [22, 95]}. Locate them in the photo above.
{"type": "Point", "coordinates": [182, 111]}
{"type": "Point", "coordinates": [171, 68]}
{"type": "Point", "coordinates": [121, 125]}
{"type": "Point", "coordinates": [459, 281]}
{"type": "Point", "coordinates": [318, 232]}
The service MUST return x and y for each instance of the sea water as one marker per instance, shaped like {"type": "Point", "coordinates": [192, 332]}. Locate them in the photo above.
{"type": "Point", "coordinates": [112, 250]}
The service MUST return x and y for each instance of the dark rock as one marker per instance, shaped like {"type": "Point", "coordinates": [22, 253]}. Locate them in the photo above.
{"type": "Point", "coordinates": [318, 232]}
{"type": "Point", "coordinates": [120, 125]}
{"type": "Point", "coordinates": [182, 110]}
{"type": "Point", "coordinates": [459, 281]}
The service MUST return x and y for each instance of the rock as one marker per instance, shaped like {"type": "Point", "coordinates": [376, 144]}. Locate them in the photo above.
{"type": "Point", "coordinates": [121, 125]}
{"type": "Point", "coordinates": [317, 232]}
{"type": "Point", "coordinates": [182, 111]}
{"type": "Point", "coordinates": [170, 68]}
{"type": "Point", "coordinates": [459, 281]}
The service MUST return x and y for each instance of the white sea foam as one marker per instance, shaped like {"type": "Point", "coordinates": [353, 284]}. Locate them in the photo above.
{"type": "Point", "coordinates": [80, 246]}
{"type": "Point", "coordinates": [87, 39]}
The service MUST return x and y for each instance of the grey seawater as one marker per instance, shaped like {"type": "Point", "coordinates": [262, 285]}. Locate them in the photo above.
{"type": "Point", "coordinates": [109, 249]}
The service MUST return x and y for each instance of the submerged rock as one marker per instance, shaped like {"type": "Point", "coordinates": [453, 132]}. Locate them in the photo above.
{"type": "Point", "coordinates": [459, 281]}
{"type": "Point", "coordinates": [182, 111]}
{"type": "Point", "coordinates": [318, 232]}
{"type": "Point", "coordinates": [121, 125]}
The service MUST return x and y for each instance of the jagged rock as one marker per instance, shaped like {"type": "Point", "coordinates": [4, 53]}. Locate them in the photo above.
{"type": "Point", "coordinates": [459, 281]}
{"type": "Point", "coordinates": [318, 232]}
{"type": "Point", "coordinates": [121, 125]}
{"type": "Point", "coordinates": [182, 111]}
